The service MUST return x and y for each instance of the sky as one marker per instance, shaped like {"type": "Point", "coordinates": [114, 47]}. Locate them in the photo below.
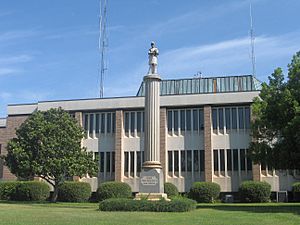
{"type": "Point", "coordinates": [49, 49]}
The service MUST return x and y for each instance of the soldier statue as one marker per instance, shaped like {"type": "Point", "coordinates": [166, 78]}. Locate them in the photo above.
{"type": "Point", "coordinates": [153, 53]}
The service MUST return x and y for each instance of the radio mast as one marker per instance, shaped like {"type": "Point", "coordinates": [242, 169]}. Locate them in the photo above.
{"type": "Point", "coordinates": [252, 39]}
{"type": "Point", "coordinates": [103, 43]}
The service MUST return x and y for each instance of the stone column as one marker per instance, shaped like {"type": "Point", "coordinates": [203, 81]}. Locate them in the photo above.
{"type": "Point", "coordinates": [208, 167]}
{"type": "Point", "coordinates": [152, 178]}
{"type": "Point", "coordinates": [152, 121]}
{"type": "Point", "coordinates": [119, 153]}
{"type": "Point", "coordinates": [256, 172]}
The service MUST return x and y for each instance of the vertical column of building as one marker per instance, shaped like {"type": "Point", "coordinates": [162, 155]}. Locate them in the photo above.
{"type": "Point", "coordinates": [119, 153]}
{"type": "Point", "coordinates": [208, 167]}
{"type": "Point", "coordinates": [78, 118]}
{"type": "Point", "coordinates": [163, 140]}
{"type": "Point", "coordinates": [12, 123]}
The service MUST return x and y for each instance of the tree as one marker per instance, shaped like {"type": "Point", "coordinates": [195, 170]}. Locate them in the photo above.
{"type": "Point", "coordinates": [276, 120]}
{"type": "Point", "coordinates": [48, 145]}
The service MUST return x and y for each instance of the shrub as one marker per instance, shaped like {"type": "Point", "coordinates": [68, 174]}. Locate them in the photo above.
{"type": "Point", "coordinates": [31, 191]}
{"type": "Point", "coordinates": [7, 189]}
{"type": "Point", "coordinates": [71, 191]}
{"type": "Point", "coordinates": [113, 189]}
{"type": "Point", "coordinates": [255, 191]}
{"type": "Point", "coordinates": [123, 204]}
{"type": "Point", "coordinates": [170, 189]}
{"type": "Point", "coordinates": [204, 192]}
{"type": "Point", "coordinates": [296, 191]}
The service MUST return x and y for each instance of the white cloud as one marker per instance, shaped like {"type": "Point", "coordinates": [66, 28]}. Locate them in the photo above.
{"type": "Point", "coordinates": [15, 59]}
{"type": "Point", "coordinates": [8, 71]}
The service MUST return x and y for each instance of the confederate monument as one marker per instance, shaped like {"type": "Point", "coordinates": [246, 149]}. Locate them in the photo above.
{"type": "Point", "coordinates": [152, 179]}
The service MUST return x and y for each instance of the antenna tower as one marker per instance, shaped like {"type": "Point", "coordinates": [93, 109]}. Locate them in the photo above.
{"type": "Point", "coordinates": [252, 39]}
{"type": "Point", "coordinates": [103, 43]}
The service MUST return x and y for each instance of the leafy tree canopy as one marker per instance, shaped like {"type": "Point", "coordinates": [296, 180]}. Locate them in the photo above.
{"type": "Point", "coordinates": [48, 145]}
{"type": "Point", "coordinates": [276, 123]}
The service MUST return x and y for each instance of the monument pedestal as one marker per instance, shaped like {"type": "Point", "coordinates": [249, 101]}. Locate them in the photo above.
{"type": "Point", "coordinates": [151, 184]}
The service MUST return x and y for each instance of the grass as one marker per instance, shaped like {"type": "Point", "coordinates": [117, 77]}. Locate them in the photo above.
{"type": "Point", "coordinates": [12, 213]}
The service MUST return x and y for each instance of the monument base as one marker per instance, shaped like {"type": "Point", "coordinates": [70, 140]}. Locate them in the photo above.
{"type": "Point", "coordinates": [151, 180]}
{"type": "Point", "coordinates": [151, 196]}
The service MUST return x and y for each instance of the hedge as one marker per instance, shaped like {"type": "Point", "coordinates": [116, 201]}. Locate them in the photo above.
{"type": "Point", "coordinates": [123, 204]}
{"type": "Point", "coordinates": [113, 189]}
{"type": "Point", "coordinates": [24, 191]}
{"type": "Point", "coordinates": [296, 191]}
{"type": "Point", "coordinates": [171, 190]}
{"type": "Point", "coordinates": [255, 191]}
{"type": "Point", "coordinates": [206, 192]}
{"type": "Point", "coordinates": [71, 191]}
{"type": "Point", "coordinates": [31, 191]}
{"type": "Point", "coordinates": [7, 189]}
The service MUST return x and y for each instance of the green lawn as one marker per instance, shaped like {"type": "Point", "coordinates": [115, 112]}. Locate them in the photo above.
{"type": "Point", "coordinates": [87, 213]}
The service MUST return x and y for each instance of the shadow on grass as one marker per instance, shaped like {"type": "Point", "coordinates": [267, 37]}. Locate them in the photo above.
{"type": "Point", "coordinates": [255, 208]}
{"type": "Point", "coordinates": [74, 205]}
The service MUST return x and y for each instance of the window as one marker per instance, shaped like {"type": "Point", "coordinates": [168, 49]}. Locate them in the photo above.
{"type": "Point", "coordinates": [188, 119]}
{"type": "Point", "coordinates": [229, 160]}
{"type": "Point", "coordinates": [113, 122]}
{"type": "Point", "coordinates": [234, 118]}
{"type": "Point", "coordinates": [201, 160]}
{"type": "Point", "coordinates": [249, 164]}
{"type": "Point", "coordinates": [170, 124]}
{"type": "Point", "coordinates": [97, 123]}
{"type": "Point", "coordinates": [189, 161]}
{"type": "Point", "coordinates": [113, 156]}
{"type": "Point", "coordinates": [132, 122]}
{"type": "Point", "coordinates": [126, 162]}
{"type": "Point", "coordinates": [139, 121]}
{"type": "Point", "coordinates": [102, 123]}
{"type": "Point", "coordinates": [195, 120]}
{"type": "Point", "coordinates": [139, 162]}
{"type": "Point", "coordinates": [221, 119]}
{"type": "Point", "coordinates": [175, 120]}
{"type": "Point", "coordinates": [227, 118]}
{"type": "Point", "coordinates": [108, 124]}
{"type": "Point", "coordinates": [176, 161]}
{"type": "Point", "coordinates": [196, 160]}
{"type": "Point", "coordinates": [242, 159]}
{"type": "Point", "coordinates": [126, 122]}
{"type": "Point", "coordinates": [182, 155]}
{"type": "Point", "coordinates": [216, 161]}
{"type": "Point", "coordinates": [235, 160]}
{"type": "Point", "coordinates": [91, 128]}
{"type": "Point", "coordinates": [241, 118]}
{"type": "Point", "coordinates": [107, 162]}
{"type": "Point", "coordinates": [214, 119]}
{"type": "Point", "coordinates": [170, 161]}
{"type": "Point", "coordinates": [222, 160]}
{"type": "Point", "coordinates": [201, 119]}
{"type": "Point", "coordinates": [182, 120]}
{"type": "Point", "coordinates": [132, 163]}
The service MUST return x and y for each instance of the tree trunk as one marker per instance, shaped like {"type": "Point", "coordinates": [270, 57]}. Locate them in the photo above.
{"type": "Point", "coordinates": [55, 194]}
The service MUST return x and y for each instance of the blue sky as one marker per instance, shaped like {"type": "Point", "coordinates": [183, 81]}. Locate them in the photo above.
{"type": "Point", "coordinates": [49, 49]}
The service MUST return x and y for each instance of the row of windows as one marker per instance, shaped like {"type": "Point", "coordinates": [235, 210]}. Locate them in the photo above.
{"type": "Point", "coordinates": [133, 163]}
{"type": "Point", "coordinates": [180, 120]}
{"type": "Point", "coordinates": [231, 160]}
{"type": "Point", "coordinates": [99, 123]}
{"type": "Point", "coordinates": [106, 161]}
{"type": "Point", "coordinates": [185, 161]}
{"type": "Point", "coordinates": [134, 123]}
{"type": "Point", "coordinates": [230, 118]}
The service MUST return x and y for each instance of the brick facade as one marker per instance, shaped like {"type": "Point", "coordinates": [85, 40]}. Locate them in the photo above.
{"type": "Point", "coordinates": [119, 152]}
{"type": "Point", "coordinates": [7, 133]}
{"type": "Point", "coordinates": [208, 144]}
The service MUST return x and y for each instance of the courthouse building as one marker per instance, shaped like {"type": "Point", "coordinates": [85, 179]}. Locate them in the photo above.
{"type": "Point", "coordinates": [204, 133]}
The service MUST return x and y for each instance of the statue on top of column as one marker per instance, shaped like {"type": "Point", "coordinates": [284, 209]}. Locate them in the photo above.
{"type": "Point", "coordinates": [153, 53]}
